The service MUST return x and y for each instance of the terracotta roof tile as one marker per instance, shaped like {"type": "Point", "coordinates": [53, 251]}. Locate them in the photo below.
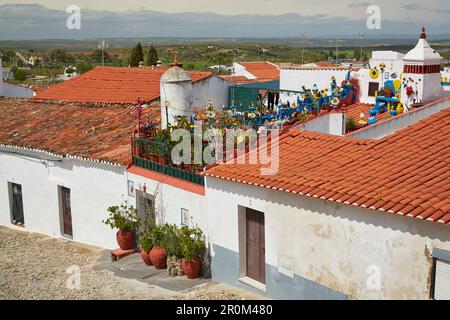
{"type": "Point", "coordinates": [92, 133]}
{"type": "Point", "coordinates": [263, 71]}
{"type": "Point", "coordinates": [406, 173]}
{"type": "Point", "coordinates": [111, 85]}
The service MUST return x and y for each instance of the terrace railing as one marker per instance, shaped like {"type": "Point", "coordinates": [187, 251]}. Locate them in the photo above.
{"type": "Point", "coordinates": [156, 156]}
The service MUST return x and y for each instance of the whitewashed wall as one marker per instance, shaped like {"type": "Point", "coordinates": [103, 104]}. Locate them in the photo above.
{"type": "Point", "coordinates": [294, 79]}
{"type": "Point", "coordinates": [94, 188]}
{"type": "Point", "coordinates": [170, 200]}
{"type": "Point", "coordinates": [16, 91]}
{"type": "Point", "coordinates": [331, 244]}
{"type": "Point", "coordinates": [212, 88]}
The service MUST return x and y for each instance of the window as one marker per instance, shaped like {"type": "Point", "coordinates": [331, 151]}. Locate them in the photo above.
{"type": "Point", "coordinates": [441, 283]}
{"type": "Point", "coordinates": [184, 217]}
{"type": "Point", "coordinates": [373, 88]}
{"type": "Point", "coordinates": [16, 204]}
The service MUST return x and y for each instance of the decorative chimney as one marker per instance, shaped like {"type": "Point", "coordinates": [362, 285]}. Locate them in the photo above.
{"type": "Point", "coordinates": [421, 82]}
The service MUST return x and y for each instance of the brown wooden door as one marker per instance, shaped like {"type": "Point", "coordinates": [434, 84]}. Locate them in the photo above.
{"type": "Point", "coordinates": [66, 211]}
{"type": "Point", "coordinates": [256, 255]}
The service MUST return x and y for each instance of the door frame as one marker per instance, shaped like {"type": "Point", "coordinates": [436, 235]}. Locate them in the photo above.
{"type": "Point", "coordinates": [61, 211]}
{"type": "Point", "coordinates": [11, 200]}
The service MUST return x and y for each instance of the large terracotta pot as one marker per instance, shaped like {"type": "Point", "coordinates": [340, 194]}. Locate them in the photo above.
{"type": "Point", "coordinates": [125, 239]}
{"type": "Point", "coordinates": [146, 257]}
{"type": "Point", "coordinates": [191, 268]}
{"type": "Point", "coordinates": [158, 257]}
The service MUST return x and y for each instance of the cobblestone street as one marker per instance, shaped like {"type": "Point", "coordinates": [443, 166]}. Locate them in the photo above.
{"type": "Point", "coordinates": [34, 266]}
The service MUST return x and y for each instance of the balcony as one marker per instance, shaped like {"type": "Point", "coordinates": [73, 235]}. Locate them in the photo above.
{"type": "Point", "coordinates": [156, 156]}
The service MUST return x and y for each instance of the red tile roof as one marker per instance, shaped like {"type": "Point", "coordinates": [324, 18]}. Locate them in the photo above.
{"type": "Point", "coordinates": [263, 71]}
{"type": "Point", "coordinates": [110, 85]}
{"type": "Point", "coordinates": [406, 173]}
{"type": "Point", "coordinates": [92, 133]}
{"type": "Point", "coordinates": [354, 111]}
{"type": "Point", "coordinates": [238, 79]}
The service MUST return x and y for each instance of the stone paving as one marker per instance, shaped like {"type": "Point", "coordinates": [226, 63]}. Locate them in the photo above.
{"type": "Point", "coordinates": [34, 266]}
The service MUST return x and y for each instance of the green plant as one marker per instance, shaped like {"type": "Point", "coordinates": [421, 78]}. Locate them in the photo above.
{"type": "Point", "coordinates": [351, 125]}
{"type": "Point", "coordinates": [146, 241]}
{"type": "Point", "coordinates": [122, 217]}
{"type": "Point", "coordinates": [156, 235]}
{"type": "Point", "coordinates": [193, 242]}
{"type": "Point", "coordinates": [172, 240]}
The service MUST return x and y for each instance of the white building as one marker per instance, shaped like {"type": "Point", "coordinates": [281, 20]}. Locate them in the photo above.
{"type": "Point", "coordinates": [363, 228]}
{"type": "Point", "coordinates": [180, 95]}
{"type": "Point", "coordinates": [12, 90]}
{"type": "Point", "coordinates": [446, 78]}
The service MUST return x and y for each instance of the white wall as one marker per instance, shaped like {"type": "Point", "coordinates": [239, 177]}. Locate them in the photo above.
{"type": "Point", "coordinates": [332, 244]}
{"type": "Point", "coordinates": [170, 200]}
{"type": "Point", "coordinates": [16, 91]}
{"type": "Point", "coordinates": [212, 88]}
{"type": "Point", "coordinates": [331, 123]}
{"type": "Point", "coordinates": [294, 79]}
{"type": "Point", "coordinates": [94, 187]}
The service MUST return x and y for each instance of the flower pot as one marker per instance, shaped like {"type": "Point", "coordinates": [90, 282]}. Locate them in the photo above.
{"type": "Point", "coordinates": [163, 160]}
{"type": "Point", "coordinates": [125, 239]}
{"type": "Point", "coordinates": [191, 268]}
{"type": "Point", "coordinates": [146, 257]}
{"type": "Point", "coordinates": [158, 256]}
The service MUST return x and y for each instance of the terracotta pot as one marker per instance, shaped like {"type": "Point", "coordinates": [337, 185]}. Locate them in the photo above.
{"type": "Point", "coordinates": [191, 268]}
{"type": "Point", "coordinates": [146, 257]}
{"type": "Point", "coordinates": [158, 257]}
{"type": "Point", "coordinates": [163, 160]}
{"type": "Point", "coordinates": [125, 239]}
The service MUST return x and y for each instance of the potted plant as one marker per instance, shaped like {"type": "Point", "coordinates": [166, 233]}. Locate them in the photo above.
{"type": "Point", "coordinates": [146, 245]}
{"type": "Point", "coordinates": [158, 255]}
{"type": "Point", "coordinates": [173, 245]}
{"type": "Point", "coordinates": [124, 218]}
{"type": "Point", "coordinates": [192, 245]}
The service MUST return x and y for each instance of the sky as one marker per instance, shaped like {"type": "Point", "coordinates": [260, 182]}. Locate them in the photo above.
{"type": "Point", "coordinates": [46, 19]}
{"type": "Point", "coordinates": [403, 10]}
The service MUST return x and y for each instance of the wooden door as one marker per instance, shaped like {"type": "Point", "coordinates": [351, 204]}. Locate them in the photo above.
{"type": "Point", "coordinates": [66, 211]}
{"type": "Point", "coordinates": [145, 205]}
{"type": "Point", "coordinates": [17, 203]}
{"type": "Point", "coordinates": [256, 256]}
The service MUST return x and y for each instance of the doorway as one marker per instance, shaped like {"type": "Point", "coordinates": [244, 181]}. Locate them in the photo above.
{"type": "Point", "coordinates": [66, 209]}
{"type": "Point", "coordinates": [17, 216]}
{"type": "Point", "coordinates": [255, 246]}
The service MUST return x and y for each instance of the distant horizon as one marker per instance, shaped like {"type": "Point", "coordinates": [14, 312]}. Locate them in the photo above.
{"type": "Point", "coordinates": [35, 21]}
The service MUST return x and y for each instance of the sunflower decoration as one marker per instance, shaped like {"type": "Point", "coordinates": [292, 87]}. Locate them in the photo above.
{"type": "Point", "coordinates": [374, 73]}
{"type": "Point", "coordinates": [252, 115]}
{"type": "Point", "coordinates": [382, 67]}
{"type": "Point", "coordinates": [335, 102]}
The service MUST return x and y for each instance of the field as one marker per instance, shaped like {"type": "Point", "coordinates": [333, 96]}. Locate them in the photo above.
{"type": "Point", "coordinates": [196, 54]}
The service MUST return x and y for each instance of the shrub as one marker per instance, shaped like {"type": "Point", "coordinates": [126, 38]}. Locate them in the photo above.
{"type": "Point", "coordinates": [146, 241]}
{"type": "Point", "coordinates": [193, 242]}
{"type": "Point", "coordinates": [172, 240]}
{"type": "Point", "coordinates": [156, 234]}
{"type": "Point", "coordinates": [122, 217]}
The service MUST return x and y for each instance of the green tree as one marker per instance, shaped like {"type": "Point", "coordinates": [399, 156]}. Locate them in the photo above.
{"type": "Point", "coordinates": [59, 55]}
{"type": "Point", "coordinates": [96, 56]}
{"type": "Point", "coordinates": [136, 55]}
{"type": "Point", "coordinates": [83, 67]}
{"type": "Point", "coordinates": [152, 57]}
{"type": "Point", "coordinates": [20, 75]}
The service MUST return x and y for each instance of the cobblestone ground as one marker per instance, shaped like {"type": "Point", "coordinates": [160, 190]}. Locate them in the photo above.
{"type": "Point", "coordinates": [34, 266]}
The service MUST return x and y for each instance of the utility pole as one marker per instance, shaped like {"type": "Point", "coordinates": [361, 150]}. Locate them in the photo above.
{"type": "Point", "coordinates": [102, 47]}
{"type": "Point", "coordinates": [362, 39]}
{"type": "Point", "coordinates": [302, 38]}
{"type": "Point", "coordinates": [337, 54]}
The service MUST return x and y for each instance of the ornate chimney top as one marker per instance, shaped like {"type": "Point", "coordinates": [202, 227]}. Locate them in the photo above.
{"type": "Point", "coordinates": [423, 34]}
{"type": "Point", "coordinates": [176, 63]}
